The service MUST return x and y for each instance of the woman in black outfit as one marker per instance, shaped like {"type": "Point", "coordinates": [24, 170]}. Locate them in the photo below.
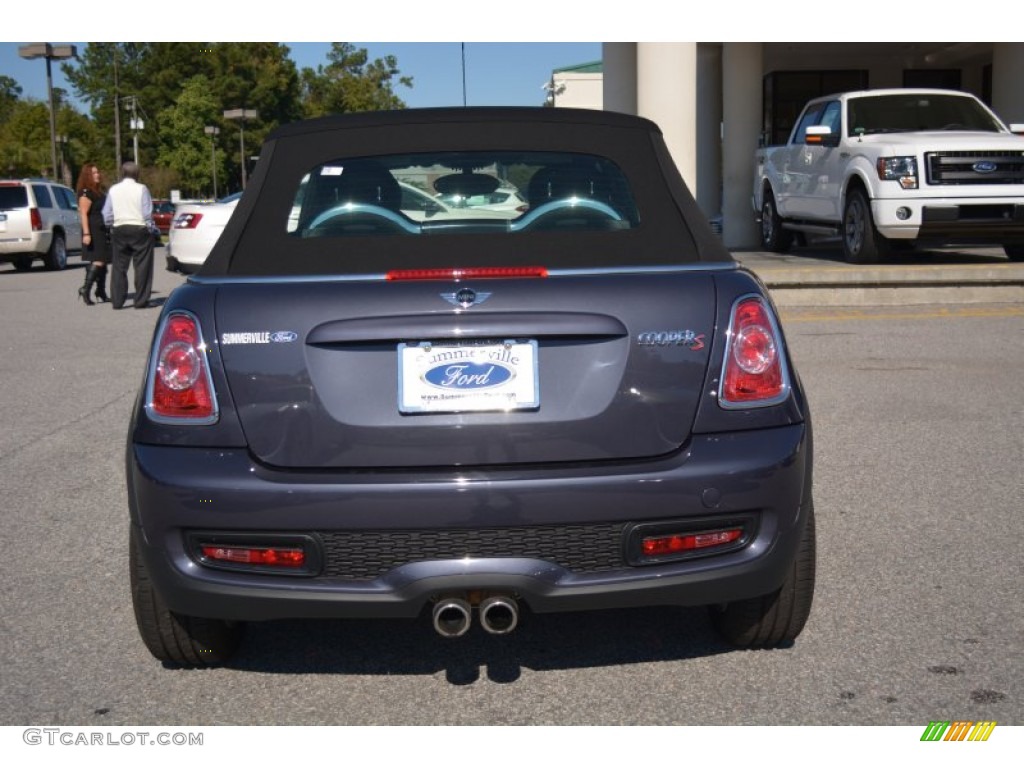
{"type": "Point", "coordinates": [95, 238]}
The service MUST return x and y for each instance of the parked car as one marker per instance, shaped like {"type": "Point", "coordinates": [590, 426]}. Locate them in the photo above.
{"type": "Point", "coordinates": [349, 412]}
{"type": "Point", "coordinates": [163, 215]}
{"type": "Point", "coordinates": [894, 166]}
{"type": "Point", "coordinates": [38, 220]}
{"type": "Point", "coordinates": [195, 229]}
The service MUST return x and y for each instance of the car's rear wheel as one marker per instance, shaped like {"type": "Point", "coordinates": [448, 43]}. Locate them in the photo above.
{"type": "Point", "coordinates": [187, 640]}
{"type": "Point", "coordinates": [57, 257]}
{"type": "Point", "coordinates": [773, 236]}
{"type": "Point", "coordinates": [777, 618]}
{"type": "Point", "coordinates": [22, 263]}
{"type": "Point", "coordinates": [862, 243]}
{"type": "Point", "coordinates": [1014, 252]}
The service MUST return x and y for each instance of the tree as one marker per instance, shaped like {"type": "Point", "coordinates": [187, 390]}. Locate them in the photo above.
{"type": "Point", "coordinates": [352, 83]}
{"type": "Point", "coordinates": [184, 146]}
{"type": "Point", "coordinates": [10, 93]}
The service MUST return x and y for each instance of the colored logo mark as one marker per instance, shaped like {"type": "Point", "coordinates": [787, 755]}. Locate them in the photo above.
{"type": "Point", "coordinates": [958, 730]}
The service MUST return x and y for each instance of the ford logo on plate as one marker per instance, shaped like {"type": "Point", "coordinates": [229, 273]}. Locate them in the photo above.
{"type": "Point", "coordinates": [984, 166]}
{"type": "Point", "coordinates": [468, 376]}
{"type": "Point", "coordinates": [283, 336]}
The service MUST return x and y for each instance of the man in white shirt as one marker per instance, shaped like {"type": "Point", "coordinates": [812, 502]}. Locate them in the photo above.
{"type": "Point", "coordinates": [129, 211]}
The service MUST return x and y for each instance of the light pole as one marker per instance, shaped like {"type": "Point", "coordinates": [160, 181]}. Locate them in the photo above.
{"type": "Point", "coordinates": [242, 115]}
{"type": "Point", "coordinates": [49, 52]}
{"type": "Point", "coordinates": [213, 131]}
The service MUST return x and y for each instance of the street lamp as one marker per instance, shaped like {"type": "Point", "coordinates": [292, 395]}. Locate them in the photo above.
{"type": "Point", "coordinates": [49, 52]}
{"type": "Point", "coordinates": [242, 115]}
{"type": "Point", "coordinates": [213, 132]}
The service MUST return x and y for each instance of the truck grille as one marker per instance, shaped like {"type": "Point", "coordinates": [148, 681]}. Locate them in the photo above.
{"type": "Point", "coordinates": [365, 555]}
{"type": "Point", "coordinates": [957, 168]}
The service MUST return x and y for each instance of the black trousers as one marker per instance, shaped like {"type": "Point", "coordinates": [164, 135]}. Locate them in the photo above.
{"type": "Point", "coordinates": [131, 245]}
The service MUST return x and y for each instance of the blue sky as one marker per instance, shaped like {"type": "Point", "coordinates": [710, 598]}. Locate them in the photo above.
{"type": "Point", "coordinates": [496, 73]}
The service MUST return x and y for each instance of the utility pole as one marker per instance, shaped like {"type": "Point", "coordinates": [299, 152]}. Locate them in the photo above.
{"type": "Point", "coordinates": [117, 115]}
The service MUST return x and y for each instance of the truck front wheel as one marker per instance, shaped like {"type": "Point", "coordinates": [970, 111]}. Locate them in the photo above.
{"type": "Point", "coordinates": [861, 242]}
{"type": "Point", "coordinates": [773, 236]}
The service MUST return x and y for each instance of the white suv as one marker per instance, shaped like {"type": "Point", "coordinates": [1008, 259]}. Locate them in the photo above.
{"type": "Point", "coordinates": [38, 220]}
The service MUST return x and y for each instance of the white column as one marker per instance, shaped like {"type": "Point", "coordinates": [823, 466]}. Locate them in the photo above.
{"type": "Point", "coordinates": [1007, 91]}
{"type": "Point", "coordinates": [619, 69]}
{"type": "Point", "coordinates": [709, 128]}
{"type": "Point", "coordinates": [742, 116]}
{"type": "Point", "coordinates": [666, 92]}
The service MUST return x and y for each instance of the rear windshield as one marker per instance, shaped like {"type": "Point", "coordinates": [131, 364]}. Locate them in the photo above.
{"type": "Point", "coordinates": [902, 113]}
{"type": "Point", "coordinates": [501, 193]}
{"type": "Point", "coordinates": [13, 196]}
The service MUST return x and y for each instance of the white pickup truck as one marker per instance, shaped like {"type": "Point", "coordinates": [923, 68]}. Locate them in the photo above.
{"type": "Point", "coordinates": [899, 165]}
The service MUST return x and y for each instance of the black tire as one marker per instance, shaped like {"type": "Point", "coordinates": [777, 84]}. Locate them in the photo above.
{"type": "Point", "coordinates": [186, 640]}
{"type": "Point", "coordinates": [22, 263]}
{"type": "Point", "coordinates": [777, 618]}
{"type": "Point", "coordinates": [861, 242]}
{"type": "Point", "coordinates": [773, 236]}
{"type": "Point", "coordinates": [1014, 252]}
{"type": "Point", "coordinates": [57, 257]}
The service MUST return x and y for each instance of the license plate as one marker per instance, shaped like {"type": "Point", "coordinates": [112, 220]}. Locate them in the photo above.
{"type": "Point", "coordinates": [454, 378]}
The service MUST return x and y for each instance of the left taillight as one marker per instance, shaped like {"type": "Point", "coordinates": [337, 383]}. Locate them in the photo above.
{"type": "Point", "coordinates": [754, 372]}
{"type": "Point", "coordinates": [187, 220]}
{"type": "Point", "coordinates": [180, 389]}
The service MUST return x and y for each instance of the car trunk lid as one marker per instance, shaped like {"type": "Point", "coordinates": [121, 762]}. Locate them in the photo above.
{"type": "Point", "coordinates": [379, 374]}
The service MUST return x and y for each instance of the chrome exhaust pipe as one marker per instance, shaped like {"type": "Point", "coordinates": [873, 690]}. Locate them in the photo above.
{"type": "Point", "coordinates": [499, 614]}
{"type": "Point", "coordinates": [452, 617]}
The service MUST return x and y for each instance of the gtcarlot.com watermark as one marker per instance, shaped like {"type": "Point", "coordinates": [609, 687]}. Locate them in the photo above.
{"type": "Point", "coordinates": [73, 737]}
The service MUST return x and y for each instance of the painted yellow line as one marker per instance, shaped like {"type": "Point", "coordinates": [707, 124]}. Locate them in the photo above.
{"type": "Point", "coordinates": [796, 315]}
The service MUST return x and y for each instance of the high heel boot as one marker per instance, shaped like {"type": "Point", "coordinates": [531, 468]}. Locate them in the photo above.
{"type": "Point", "coordinates": [101, 284]}
{"type": "Point", "coordinates": [90, 277]}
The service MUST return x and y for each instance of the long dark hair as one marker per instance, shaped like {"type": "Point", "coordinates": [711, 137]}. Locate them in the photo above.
{"type": "Point", "coordinates": [86, 181]}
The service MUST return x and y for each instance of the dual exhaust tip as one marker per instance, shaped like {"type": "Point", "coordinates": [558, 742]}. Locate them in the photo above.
{"type": "Point", "coordinates": [499, 615]}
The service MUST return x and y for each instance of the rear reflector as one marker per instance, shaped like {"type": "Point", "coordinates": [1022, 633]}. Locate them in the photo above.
{"type": "Point", "coordinates": [658, 546]}
{"type": "Point", "coordinates": [468, 273]}
{"type": "Point", "coordinates": [754, 372]}
{"type": "Point", "coordinates": [277, 557]}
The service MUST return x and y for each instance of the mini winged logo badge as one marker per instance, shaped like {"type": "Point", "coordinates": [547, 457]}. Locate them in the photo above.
{"type": "Point", "coordinates": [465, 297]}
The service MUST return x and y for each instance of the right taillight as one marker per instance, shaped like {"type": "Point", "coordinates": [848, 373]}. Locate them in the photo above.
{"type": "Point", "coordinates": [754, 372]}
{"type": "Point", "coordinates": [187, 220]}
{"type": "Point", "coordinates": [180, 387]}
{"type": "Point", "coordinates": [36, 219]}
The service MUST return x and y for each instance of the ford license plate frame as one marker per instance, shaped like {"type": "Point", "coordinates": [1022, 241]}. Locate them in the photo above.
{"type": "Point", "coordinates": [460, 377]}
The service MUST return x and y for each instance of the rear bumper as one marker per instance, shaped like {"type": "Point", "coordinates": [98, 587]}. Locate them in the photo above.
{"type": "Point", "coordinates": [762, 475]}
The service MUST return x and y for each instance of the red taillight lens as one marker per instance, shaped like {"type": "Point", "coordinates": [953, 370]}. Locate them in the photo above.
{"type": "Point", "coordinates": [180, 379]}
{"type": "Point", "coordinates": [753, 374]}
{"type": "Point", "coordinates": [187, 220]}
{"type": "Point", "coordinates": [468, 273]}
{"type": "Point", "coordinates": [280, 557]}
{"type": "Point", "coordinates": [657, 546]}
{"type": "Point", "coordinates": [36, 219]}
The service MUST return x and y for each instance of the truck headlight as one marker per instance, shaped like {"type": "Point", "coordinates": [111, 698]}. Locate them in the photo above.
{"type": "Point", "coordinates": [901, 169]}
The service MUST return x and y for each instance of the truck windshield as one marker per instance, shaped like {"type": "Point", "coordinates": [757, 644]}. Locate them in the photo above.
{"type": "Point", "coordinates": [902, 113]}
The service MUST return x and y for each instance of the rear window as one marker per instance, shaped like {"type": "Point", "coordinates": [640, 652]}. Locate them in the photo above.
{"type": "Point", "coordinates": [461, 193]}
{"type": "Point", "coordinates": [13, 196]}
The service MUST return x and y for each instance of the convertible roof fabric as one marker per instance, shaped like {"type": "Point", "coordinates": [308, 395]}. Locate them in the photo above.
{"type": "Point", "coordinates": [672, 229]}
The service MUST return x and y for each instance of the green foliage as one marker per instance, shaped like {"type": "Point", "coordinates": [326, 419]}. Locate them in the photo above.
{"type": "Point", "coordinates": [184, 146]}
{"type": "Point", "coordinates": [352, 83]}
{"type": "Point", "coordinates": [177, 89]}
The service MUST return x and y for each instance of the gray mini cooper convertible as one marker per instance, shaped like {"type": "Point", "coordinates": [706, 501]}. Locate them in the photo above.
{"type": "Point", "coordinates": [370, 403]}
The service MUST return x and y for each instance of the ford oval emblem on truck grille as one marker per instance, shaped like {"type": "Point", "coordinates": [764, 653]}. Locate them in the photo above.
{"type": "Point", "coordinates": [984, 166]}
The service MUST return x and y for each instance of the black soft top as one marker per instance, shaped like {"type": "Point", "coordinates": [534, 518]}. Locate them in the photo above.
{"type": "Point", "coordinates": [672, 229]}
